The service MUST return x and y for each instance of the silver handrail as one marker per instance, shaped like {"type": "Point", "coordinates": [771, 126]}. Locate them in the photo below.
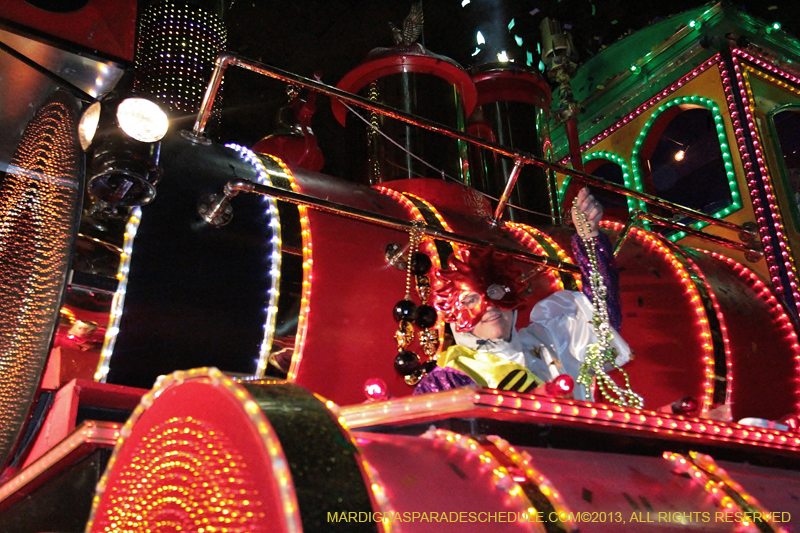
{"type": "Point", "coordinates": [520, 157]}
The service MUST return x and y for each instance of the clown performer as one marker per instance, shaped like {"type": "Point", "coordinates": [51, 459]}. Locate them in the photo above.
{"type": "Point", "coordinates": [479, 295]}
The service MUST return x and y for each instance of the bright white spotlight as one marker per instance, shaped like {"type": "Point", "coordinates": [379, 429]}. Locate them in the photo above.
{"type": "Point", "coordinates": [142, 119]}
{"type": "Point", "coordinates": [88, 125]}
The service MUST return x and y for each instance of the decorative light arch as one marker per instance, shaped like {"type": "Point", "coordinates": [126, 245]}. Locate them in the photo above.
{"type": "Point", "coordinates": [262, 176]}
{"type": "Point", "coordinates": [308, 266]}
{"type": "Point", "coordinates": [627, 176]}
{"type": "Point", "coordinates": [692, 283]}
{"type": "Point", "coordinates": [727, 160]}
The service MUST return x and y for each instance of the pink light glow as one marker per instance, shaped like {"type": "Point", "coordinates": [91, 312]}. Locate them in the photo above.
{"type": "Point", "coordinates": [375, 389]}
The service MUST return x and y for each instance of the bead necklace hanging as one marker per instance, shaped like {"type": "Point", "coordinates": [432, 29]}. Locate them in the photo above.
{"type": "Point", "coordinates": [601, 353]}
{"type": "Point", "coordinates": [407, 313]}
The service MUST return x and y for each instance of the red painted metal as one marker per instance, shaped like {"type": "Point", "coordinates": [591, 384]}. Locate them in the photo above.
{"type": "Point", "coordinates": [410, 59]}
{"type": "Point", "coordinates": [61, 419]}
{"type": "Point", "coordinates": [106, 27]}
{"type": "Point", "coordinates": [764, 372]}
{"type": "Point", "coordinates": [506, 85]}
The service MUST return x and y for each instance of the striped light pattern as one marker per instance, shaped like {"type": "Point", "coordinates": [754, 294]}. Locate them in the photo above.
{"type": "Point", "coordinates": [777, 310]}
{"type": "Point", "coordinates": [185, 474]}
{"type": "Point", "coordinates": [39, 199]}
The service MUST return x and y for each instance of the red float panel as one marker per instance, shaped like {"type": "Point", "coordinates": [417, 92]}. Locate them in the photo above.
{"type": "Point", "coordinates": [108, 28]}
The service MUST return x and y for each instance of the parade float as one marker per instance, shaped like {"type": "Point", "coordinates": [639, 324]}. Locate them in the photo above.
{"type": "Point", "coordinates": [198, 335]}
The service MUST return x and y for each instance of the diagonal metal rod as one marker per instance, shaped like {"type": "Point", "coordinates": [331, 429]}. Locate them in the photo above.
{"type": "Point", "coordinates": [688, 230]}
{"type": "Point", "coordinates": [623, 236]}
{"type": "Point", "coordinates": [512, 180]}
{"type": "Point", "coordinates": [751, 254]}
{"type": "Point", "coordinates": [234, 187]}
{"type": "Point", "coordinates": [226, 59]}
{"type": "Point", "coordinates": [76, 91]}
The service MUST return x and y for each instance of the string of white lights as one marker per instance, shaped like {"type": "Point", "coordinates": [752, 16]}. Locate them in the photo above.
{"type": "Point", "coordinates": [273, 293]}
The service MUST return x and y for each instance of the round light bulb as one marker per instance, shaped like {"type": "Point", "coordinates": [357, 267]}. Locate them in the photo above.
{"type": "Point", "coordinates": [375, 389]}
{"type": "Point", "coordinates": [87, 127]}
{"type": "Point", "coordinates": [142, 119]}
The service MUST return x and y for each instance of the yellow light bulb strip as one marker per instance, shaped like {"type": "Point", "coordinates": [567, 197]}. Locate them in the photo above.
{"type": "Point", "coordinates": [90, 433]}
{"type": "Point", "coordinates": [118, 302]}
{"type": "Point", "coordinates": [405, 199]}
{"type": "Point", "coordinates": [524, 462]}
{"type": "Point", "coordinates": [745, 501]}
{"type": "Point", "coordinates": [722, 331]}
{"type": "Point", "coordinates": [727, 494]}
{"type": "Point", "coordinates": [539, 242]}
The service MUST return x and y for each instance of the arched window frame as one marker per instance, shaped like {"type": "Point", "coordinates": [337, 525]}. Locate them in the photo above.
{"type": "Point", "coordinates": [727, 159]}
{"type": "Point", "coordinates": [627, 176]}
{"type": "Point", "coordinates": [782, 171]}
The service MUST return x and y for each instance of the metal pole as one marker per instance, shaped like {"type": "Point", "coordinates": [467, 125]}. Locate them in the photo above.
{"type": "Point", "coordinates": [571, 129]}
{"type": "Point", "coordinates": [635, 215]}
{"type": "Point", "coordinates": [655, 219]}
{"type": "Point", "coordinates": [226, 59]}
{"type": "Point", "coordinates": [233, 187]}
{"type": "Point", "coordinates": [512, 180]}
{"type": "Point", "coordinates": [199, 128]}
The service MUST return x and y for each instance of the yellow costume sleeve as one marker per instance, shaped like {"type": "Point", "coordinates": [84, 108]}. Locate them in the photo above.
{"type": "Point", "coordinates": [489, 370]}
